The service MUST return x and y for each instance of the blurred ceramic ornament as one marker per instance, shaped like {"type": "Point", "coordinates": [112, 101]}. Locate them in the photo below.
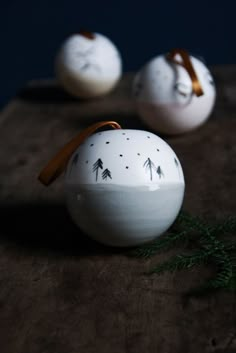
{"type": "Point", "coordinates": [175, 93]}
{"type": "Point", "coordinates": [123, 187]}
{"type": "Point", "coordinates": [88, 65]}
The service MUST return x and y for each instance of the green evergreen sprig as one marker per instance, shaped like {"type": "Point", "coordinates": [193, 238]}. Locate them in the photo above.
{"type": "Point", "coordinates": [209, 245]}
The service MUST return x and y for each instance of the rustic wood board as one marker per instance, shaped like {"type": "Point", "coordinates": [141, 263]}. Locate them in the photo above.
{"type": "Point", "coordinates": [61, 292]}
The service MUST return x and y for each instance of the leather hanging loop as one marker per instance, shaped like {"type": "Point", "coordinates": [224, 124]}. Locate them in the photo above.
{"type": "Point", "coordinates": [58, 163]}
{"type": "Point", "coordinates": [186, 63]}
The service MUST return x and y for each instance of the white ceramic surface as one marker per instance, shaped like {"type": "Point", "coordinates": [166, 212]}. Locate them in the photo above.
{"type": "Point", "coordinates": [164, 96]}
{"type": "Point", "coordinates": [124, 187]}
{"type": "Point", "coordinates": [88, 67]}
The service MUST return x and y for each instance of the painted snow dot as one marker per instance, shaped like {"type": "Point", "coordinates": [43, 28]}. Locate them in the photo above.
{"type": "Point", "coordinates": [129, 197]}
{"type": "Point", "coordinates": [91, 145]}
{"type": "Point", "coordinates": [150, 164]}
{"type": "Point", "coordinates": [127, 138]}
{"type": "Point", "coordinates": [123, 133]}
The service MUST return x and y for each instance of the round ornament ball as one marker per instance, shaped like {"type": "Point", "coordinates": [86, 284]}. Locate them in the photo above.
{"type": "Point", "coordinates": [174, 93]}
{"type": "Point", "coordinates": [124, 187]}
{"type": "Point", "coordinates": [88, 65]}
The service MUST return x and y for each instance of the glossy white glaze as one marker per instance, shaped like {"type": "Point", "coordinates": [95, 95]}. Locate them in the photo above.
{"type": "Point", "coordinates": [165, 101]}
{"type": "Point", "coordinates": [132, 157]}
{"type": "Point", "coordinates": [88, 67]}
{"type": "Point", "coordinates": [124, 187]}
{"type": "Point", "coordinates": [124, 215]}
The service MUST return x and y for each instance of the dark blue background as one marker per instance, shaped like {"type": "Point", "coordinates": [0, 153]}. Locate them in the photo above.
{"type": "Point", "coordinates": [32, 31]}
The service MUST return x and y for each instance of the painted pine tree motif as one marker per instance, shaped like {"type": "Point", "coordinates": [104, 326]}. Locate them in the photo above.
{"type": "Point", "coordinates": [86, 62]}
{"type": "Point", "coordinates": [84, 58]}
{"type": "Point", "coordinates": [149, 166]}
{"type": "Point", "coordinates": [177, 166]}
{"type": "Point", "coordinates": [106, 174]}
{"type": "Point", "coordinates": [88, 65]}
{"type": "Point", "coordinates": [96, 166]}
{"type": "Point", "coordinates": [74, 162]}
{"type": "Point", "coordinates": [160, 172]}
{"type": "Point", "coordinates": [137, 89]}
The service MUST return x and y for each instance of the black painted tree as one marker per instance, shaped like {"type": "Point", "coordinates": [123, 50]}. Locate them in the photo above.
{"type": "Point", "coordinates": [160, 172]}
{"type": "Point", "coordinates": [137, 89]}
{"type": "Point", "coordinates": [74, 161]}
{"type": "Point", "coordinates": [177, 165]}
{"type": "Point", "coordinates": [86, 62]}
{"type": "Point", "coordinates": [106, 174]}
{"type": "Point", "coordinates": [96, 166]}
{"type": "Point", "coordinates": [149, 166]}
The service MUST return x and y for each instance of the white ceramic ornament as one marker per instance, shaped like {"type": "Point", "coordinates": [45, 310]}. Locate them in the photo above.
{"type": "Point", "coordinates": [124, 187]}
{"type": "Point", "coordinates": [175, 93]}
{"type": "Point", "coordinates": [88, 65]}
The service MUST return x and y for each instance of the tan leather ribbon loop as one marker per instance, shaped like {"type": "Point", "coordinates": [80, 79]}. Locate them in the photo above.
{"type": "Point", "coordinates": [58, 163]}
{"type": "Point", "coordinates": [186, 63]}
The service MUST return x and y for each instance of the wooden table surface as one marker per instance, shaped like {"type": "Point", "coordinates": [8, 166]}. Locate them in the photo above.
{"type": "Point", "coordinates": [61, 292]}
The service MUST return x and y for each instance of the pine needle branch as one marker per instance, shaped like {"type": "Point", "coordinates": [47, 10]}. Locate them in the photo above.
{"type": "Point", "coordinates": [181, 262]}
{"type": "Point", "coordinates": [211, 247]}
{"type": "Point", "coordinates": [164, 243]}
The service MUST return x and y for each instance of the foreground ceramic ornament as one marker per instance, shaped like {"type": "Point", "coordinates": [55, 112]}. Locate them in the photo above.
{"type": "Point", "coordinates": [124, 187]}
{"type": "Point", "coordinates": [166, 94]}
{"type": "Point", "coordinates": [88, 65]}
